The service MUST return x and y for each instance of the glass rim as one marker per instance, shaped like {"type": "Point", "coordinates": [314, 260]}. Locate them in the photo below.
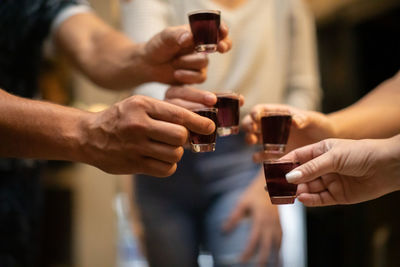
{"type": "Point", "coordinates": [227, 93]}
{"type": "Point", "coordinates": [213, 11]}
{"type": "Point", "coordinates": [271, 161]}
{"type": "Point", "coordinates": [205, 109]}
{"type": "Point", "coordinates": [275, 112]}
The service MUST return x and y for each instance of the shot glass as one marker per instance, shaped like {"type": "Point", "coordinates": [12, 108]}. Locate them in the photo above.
{"type": "Point", "coordinates": [280, 191]}
{"type": "Point", "coordinates": [228, 113]}
{"type": "Point", "coordinates": [275, 130]}
{"type": "Point", "coordinates": [200, 142]}
{"type": "Point", "coordinates": [205, 29]}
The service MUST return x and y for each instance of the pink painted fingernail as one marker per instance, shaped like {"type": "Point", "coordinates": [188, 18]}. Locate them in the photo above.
{"type": "Point", "coordinates": [293, 176]}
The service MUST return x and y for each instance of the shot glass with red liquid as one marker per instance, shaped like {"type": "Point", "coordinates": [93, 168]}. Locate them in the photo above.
{"type": "Point", "coordinates": [205, 29]}
{"type": "Point", "coordinates": [280, 191]}
{"type": "Point", "coordinates": [228, 113]}
{"type": "Point", "coordinates": [201, 142]}
{"type": "Point", "coordinates": [275, 130]}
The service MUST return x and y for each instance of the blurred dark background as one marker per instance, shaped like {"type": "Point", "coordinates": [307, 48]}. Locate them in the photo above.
{"type": "Point", "coordinates": [359, 47]}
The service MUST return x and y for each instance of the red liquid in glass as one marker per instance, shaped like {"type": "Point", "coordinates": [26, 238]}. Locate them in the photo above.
{"type": "Point", "coordinates": [205, 27]}
{"type": "Point", "coordinates": [228, 111]}
{"type": "Point", "coordinates": [275, 128]}
{"type": "Point", "coordinates": [205, 139]}
{"type": "Point", "coordinates": [280, 191]}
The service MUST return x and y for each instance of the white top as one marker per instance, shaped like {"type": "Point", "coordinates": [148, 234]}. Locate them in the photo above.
{"type": "Point", "coordinates": [273, 58]}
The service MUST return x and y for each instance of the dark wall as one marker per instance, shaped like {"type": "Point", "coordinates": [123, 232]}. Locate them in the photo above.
{"type": "Point", "coordinates": [355, 56]}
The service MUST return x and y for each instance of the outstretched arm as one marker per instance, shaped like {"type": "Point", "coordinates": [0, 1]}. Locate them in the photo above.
{"type": "Point", "coordinates": [374, 116]}
{"type": "Point", "coordinates": [136, 135]}
{"type": "Point", "coordinates": [111, 60]}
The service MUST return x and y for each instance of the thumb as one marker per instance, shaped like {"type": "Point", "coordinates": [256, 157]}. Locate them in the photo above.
{"type": "Point", "coordinates": [169, 43]}
{"type": "Point", "coordinates": [312, 169]}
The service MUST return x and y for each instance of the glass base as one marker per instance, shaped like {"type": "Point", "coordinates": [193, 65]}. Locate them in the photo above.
{"type": "Point", "coordinates": [206, 48]}
{"type": "Point", "coordinates": [225, 131]}
{"type": "Point", "coordinates": [274, 148]}
{"type": "Point", "coordinates": [203, 147]}
{"type": "Point", "coordinates": [282, 200]}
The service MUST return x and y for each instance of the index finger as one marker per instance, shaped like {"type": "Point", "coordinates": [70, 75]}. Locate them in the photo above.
{"type": "Point", "coordinates": [318, 162]}
{"type": "Point", "coordinates": [191, 94]}
{"type": "Point", "coordinates": [164, 111]}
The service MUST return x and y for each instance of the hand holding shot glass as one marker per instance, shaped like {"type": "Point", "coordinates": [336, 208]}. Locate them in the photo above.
{"type": "Point", "coordinates": [205, 29]}
{"type": "Point", "coordinates": [200, 142]}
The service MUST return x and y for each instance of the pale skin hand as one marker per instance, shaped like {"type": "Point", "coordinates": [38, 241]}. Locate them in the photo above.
{"type": "Point", "coordinates": [266, 229]}
{"type": "Point", "coordinates": [307, 126]}
{"type": "Point", "coordinates": [338, 171]}
{"type": "Point", "coordinates": [136, 135]}
{"type": "Point", "coordinates": [113, 61]}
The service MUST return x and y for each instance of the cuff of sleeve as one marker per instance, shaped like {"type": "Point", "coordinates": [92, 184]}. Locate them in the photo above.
{"type": "Point", "coordinates": [67, 13]}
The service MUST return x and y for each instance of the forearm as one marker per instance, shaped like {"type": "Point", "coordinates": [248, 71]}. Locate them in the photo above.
{"type": "Point", "coordinates": [36, 129]}
{"type": "Point", "coordinates": [377, 115]}
{"type": "Point", "coordinates": [103, 54]}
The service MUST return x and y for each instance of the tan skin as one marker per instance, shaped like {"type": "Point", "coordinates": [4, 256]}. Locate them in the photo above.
{"type": "Point", "coordinates": [113, 61]}
{"type": "Point", "coordinates": [136, 135]}
{"type": "Point", "coordinates": [376, 114]}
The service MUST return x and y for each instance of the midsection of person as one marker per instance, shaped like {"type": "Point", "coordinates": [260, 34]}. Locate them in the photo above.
{"type": "Point", "coordinates": [257, 67]}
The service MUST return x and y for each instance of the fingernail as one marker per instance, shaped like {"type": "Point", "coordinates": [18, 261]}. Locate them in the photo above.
{"type": "Point", "coordinates": [182, 39]}
{"type": "Point", "coordinates": [210, 98]}
{"type": "Point", "coordinates": [211, 128]}
{"type": "Point", "coordinates": [292, 176]}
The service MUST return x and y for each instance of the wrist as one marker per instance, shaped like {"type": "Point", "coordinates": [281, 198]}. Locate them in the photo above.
{"type": "Point", "coordinates": [82, 150]}
{"type": "Point", "coordinates": [140, 64]}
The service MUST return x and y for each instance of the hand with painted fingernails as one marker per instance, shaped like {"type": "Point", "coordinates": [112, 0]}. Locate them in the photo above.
{"type": "Point", "coordinates": [340, 171]}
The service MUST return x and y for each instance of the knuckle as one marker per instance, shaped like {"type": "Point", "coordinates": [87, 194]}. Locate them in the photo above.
{"type": "Point", "coordinates": [310, 167]}
{"type": "Point", "coordinates": [171, 92]}
{"type": "Point", "coordinates": [138, 101]}
{"type": "Point", "coordinates": [182, 136]}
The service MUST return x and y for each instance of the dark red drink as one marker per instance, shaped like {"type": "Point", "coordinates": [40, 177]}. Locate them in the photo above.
{"type": "Point", "coordinates": [280, 191]}
{"type": "Point", "coordinates": [275, 129]}
{"type": "Point", "coordinates": [200, 142]}
{"type": "Point", "coordinates": [228, 113]}
{"type": "Point", "coordinates": [205, 29]}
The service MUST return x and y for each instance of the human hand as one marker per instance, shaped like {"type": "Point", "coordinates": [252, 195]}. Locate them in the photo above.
{"type": "Point", "coordinates": [190, 97]}
{"type": "Point", "coordinates": [266, 232]}
{"type": "Point", "coordinates": [170, 59]}
{"type": "Point", "coordinates": [338, 171]}
{"type": "Point", "coordinates": [139, 135]}
{"type": "Point", "coordinates": [307, 127]}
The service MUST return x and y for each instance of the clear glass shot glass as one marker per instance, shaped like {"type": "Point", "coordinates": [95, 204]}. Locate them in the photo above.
{"type": "Point", "coordinates": [275, 130]}
{"type": "Point", "coordinates": [205, 29]}
{"type": "Point", "coordinates": [200, 142]}
{"type": "Point", "coordinates": [228, 113]}
{"type": "Point", "coordinates": [280, 191]}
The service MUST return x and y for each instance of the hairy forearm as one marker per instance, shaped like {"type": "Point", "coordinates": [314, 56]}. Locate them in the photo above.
{"type": "Point", "coordinates": [36, 129]}
{"type": "Point", "coordinates": [377, 115]}
{"type": "Point", "coordinates": [103, 54]}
